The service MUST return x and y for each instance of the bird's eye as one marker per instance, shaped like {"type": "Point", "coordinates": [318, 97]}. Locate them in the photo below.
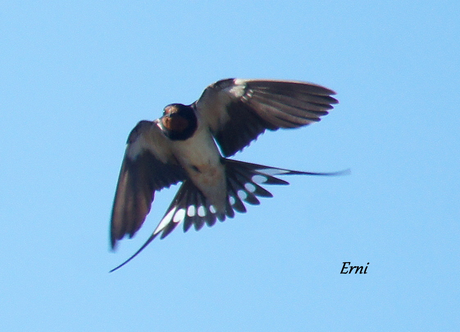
{"type": "Point", "coordinates": [168, 109]}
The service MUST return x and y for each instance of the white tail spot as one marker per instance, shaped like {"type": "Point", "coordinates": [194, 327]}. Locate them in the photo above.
{"type": "Point", "coordinates": [165, 221]}
{"type": "Point", "coordinates": [179, 216]}
{"type": "Point", "coordinates": [250, 187]}
{"type": "Point", "coordinates": [272, 171]}
{"type": "Point", "coordinates": [201, 211]}
{"type": "Point", "coordinates": [191, 210]}
{"type": "Point", "coordinates": [242, 194]}
{"type": "Point", "coordinates": [259, 179]}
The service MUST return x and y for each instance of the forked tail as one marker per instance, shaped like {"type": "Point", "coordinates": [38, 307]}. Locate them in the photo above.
{"type": "Point", "coordinates": [244, 185]}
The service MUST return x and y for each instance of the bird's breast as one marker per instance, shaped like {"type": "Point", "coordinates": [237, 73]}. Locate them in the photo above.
{"type": "Point", "coordinates": [200, 157]}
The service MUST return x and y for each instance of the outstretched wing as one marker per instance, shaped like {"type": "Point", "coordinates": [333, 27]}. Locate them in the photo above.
{"type": "Point", "coordinates": [148, 166]}
{"type": "Point", "coordinates": [239, 110]}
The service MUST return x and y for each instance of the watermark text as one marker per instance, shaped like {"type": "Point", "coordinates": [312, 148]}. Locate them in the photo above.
{"type": "Point", "coordinates": [347, 268]}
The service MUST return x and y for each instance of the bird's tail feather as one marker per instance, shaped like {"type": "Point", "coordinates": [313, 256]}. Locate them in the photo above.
{"type": "Point", "coordinates": [244, 185]}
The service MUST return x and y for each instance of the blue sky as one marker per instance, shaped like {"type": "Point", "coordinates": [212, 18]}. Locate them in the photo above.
{"type": "Point", "coordinates": [77, 76]}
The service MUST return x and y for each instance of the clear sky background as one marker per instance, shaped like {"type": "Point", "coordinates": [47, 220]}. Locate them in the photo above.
{"type": "Point", "coordinates": [76, 77]}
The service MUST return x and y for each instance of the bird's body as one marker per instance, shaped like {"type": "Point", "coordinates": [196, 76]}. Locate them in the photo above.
{"type": "Point", "coordinates": [201, 159]}
{"type": "Point", "coordinates": [183, 146]}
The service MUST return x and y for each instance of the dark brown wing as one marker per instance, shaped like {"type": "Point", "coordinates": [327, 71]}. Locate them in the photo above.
{"type": "Point", "coordinates": [239, 110]}
{"type": "Point", "coordinates": [147, 166]}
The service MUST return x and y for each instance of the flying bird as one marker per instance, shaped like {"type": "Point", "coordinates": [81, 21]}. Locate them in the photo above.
{"type": "Point", "coordinates": [191, 143]}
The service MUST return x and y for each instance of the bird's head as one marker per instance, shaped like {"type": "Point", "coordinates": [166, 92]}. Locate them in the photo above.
{"type": "Point", "coordinates": [178, 122]}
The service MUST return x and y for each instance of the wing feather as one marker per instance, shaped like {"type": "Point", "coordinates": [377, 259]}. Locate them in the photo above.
{"type": "Point", "coordinates": [239, 110]}
{"type": "Point", "coordinates": [147, 166]}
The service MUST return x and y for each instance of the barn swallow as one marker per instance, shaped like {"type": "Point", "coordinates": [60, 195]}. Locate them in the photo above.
{"type": "Point", "coordinates": [191, 143]}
